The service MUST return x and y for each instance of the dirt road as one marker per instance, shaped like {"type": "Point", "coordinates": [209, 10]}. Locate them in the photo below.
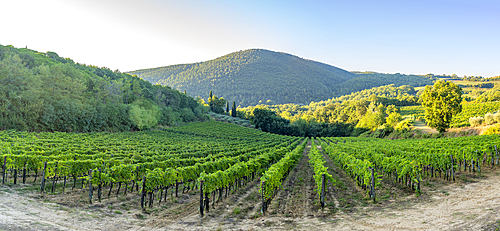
{"type": "Point", "coordinates": [472, 204]}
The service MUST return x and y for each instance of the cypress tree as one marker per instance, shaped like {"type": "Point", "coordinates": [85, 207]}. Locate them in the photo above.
{"type": "Point", "coordinates": [210, 96]}
{"type": "Point", "coordinates": [233, 110]}
{"type": "Point", "coordinates": [227, 106]}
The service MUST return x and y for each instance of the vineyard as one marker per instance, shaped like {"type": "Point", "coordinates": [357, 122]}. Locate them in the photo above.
{"type": "Point", "coordinates": [207, 172]}
{"type": "Point", "coordinates": [461, 119]}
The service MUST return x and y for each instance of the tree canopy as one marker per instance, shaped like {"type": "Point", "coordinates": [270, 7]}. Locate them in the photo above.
{"type": "Point", "coordinates": [45, 92]}
{"type": "Point", "coordinates": [441, 102]}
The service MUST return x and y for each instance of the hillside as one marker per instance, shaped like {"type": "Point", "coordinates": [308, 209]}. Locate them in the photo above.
{"type": "Point", "coordinates": [44, 92]}
{"type": "Point", "coordinates": [261, 76]}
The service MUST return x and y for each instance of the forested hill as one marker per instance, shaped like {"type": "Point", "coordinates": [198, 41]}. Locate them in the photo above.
{"type": "Point", "coordinates": [44, 92]}
{"type": "Point", "coordinates": [252, 75]}
{"type": "Point", "coordinates": [261, 76]}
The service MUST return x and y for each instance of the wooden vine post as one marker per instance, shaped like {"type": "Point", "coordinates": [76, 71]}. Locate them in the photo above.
{"type": "Point", "coordinates": [143, 194]}
{"type": "Point", "coordinates": [24, 173]}
{"type": "Point", "coordinates": [492, 159]}
{"type": "Point", "coordinates": [42, 186]}
{"type": "Point", "coordinates": [496, 153]}
{"type": "Point", "coordinates": [15, 175]}
{"type": "Point", "coordinates": [54, 179]}
{"type": "Point", "coordinates": [136, 178]}
{"type": "Point", "coordinates": [372, 185]}
{"type": "Point", "coordinates": [264, 206]}
{"type": "Point", "coordinates": [322, 192]}
{"type": "Point", "coordinates": [452, 168]}
{"type": "Point", "coordinates": [99, 187]}
{"type": "Point", "coordinates": [201, 198]}
{"type": "Point", "coordinates": [4, 169]}
{"type": "Point", "coordinates": [90, 186]}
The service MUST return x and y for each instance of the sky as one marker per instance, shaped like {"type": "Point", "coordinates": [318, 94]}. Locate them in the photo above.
{"type": "Point", "coordinates": [401, 36]}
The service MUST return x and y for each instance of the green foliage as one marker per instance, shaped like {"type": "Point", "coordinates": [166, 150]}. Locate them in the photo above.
{"type": "Point", "coordinates": [441, 102]}
{"type": "Point", "coordinates": [489, 118]}
{"type": "Point", "coordinates": [317, 161]}
{"type": "Point", "coordinates": [144, 113]}
{"type": "Point", "coordinates": [233, 110]}
{"type": "Point", "coordinates": [252, 76]}
{"type": "Point", "coordinates": [268, 121]}
{"type": "Point", "coordinates": [374, 117]}
{"type": "Point", "coordinates": [476, 121]}
{"type": "Point", "coordinates": [216, 104]}
{"type": "Point", "coordinates": [274, 175]}
{"type": "Point", "coordinates": [417, 112]}
{"type": "Point", "coordinates": [44, 92]}
{"type": "Point", "coordinates": [489, 96]}
{"type": "Point", "coordinates": [472, 109]}
{"type": "Point", "coordinates": [492, 130]}
{"type": "Point", "coordinates": [393, 119]}
{"type": "Point", "coordinates": [388, 95]}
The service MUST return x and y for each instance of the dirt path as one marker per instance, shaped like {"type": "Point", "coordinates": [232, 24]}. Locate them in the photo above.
{"type": "Point", "coordinates": [457, 206]}
{"type": "Point", "coordinates": [420, 125]}
{"type": "Point", "coordinates": [297, 199]}
{"type": "Point", "coordinates": [25, 212]}
{"type": "Point", "coordinates": [473, 204]}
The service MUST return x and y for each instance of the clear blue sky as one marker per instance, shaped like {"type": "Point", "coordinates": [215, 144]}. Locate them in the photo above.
{"type": "Point", "coordinates": [418, 37]}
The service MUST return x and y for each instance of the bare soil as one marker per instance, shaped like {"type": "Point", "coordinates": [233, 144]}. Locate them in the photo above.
{"type": "Point", "coordinates": [472, 202]}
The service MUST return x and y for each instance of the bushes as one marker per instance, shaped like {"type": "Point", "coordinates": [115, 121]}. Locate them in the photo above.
{"type": "Point", "coordinates": [489, 118]}
{"type": "Point", "coordinates": [144, 113]}
{"type": "Point", "coordinates": [493, 130]}
{"type": "Point", "coordinates": [496, 116]}
{"type": "Point", "coordinates": [476, 121]}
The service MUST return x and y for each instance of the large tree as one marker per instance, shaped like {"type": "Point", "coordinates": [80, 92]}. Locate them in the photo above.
{"type": "Point", "coordinates": [216, 104]}
{"type": "Point", "coordinates": [233, 109]}
{"type": "Point", "coordinates": [441, 102]}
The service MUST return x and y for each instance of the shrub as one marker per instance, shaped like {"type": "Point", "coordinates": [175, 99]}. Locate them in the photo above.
{"type": "Point", "coordinates": [476, 121]}
{"type": "Point", "coordinates": [496, 116]}
{"type": "Point", "coordinates": [492, 130]}
{"type": "Point", "coordinates": [489, 118]}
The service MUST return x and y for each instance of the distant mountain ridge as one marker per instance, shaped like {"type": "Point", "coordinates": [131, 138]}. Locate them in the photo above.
{"type": "Point", "coordinates": [257, 76]}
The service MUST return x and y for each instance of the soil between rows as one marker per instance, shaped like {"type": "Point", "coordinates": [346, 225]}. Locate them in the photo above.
{"type": "Point", "coordinates": [471, 203]}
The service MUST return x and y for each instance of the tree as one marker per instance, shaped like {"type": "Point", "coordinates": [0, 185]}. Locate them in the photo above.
{"type": "Point", "coordinates": [216, 104]}
{"type": "Point", "coordinates": [233, 109]}
{"type": "Point", "coordinates": [227, 106]}
{"type": "Point", "coordinates": [374, 117]}
{"type": "Point", "coordinates": [441, 102]}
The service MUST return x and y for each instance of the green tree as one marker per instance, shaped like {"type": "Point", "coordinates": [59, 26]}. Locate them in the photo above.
{"type": "Point", "coordinates": [441, 102]}
{"type": "Point", "coordinates": [144, 113]}
{"type": "Point", "coordinates": [233, 109]}
{"type": "Point", "coordinates": [216, 104]}
{"type": "Point", "coordinates": [374, 117]}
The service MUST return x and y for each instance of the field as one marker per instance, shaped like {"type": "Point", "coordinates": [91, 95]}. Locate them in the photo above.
{"type": "Point", "coordinates": [250, 180]}
{"type": "Point", "coordinates": [462, 119]}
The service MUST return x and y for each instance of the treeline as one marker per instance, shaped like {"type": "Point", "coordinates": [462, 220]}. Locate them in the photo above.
{"type": "Point", "coordinates": [367, 80]}
{"type": "Point", "coordinates": [388, 95]}
{"type": "Point", "coordinates": [359, 112]}
{"type": "Point", "coordinates": [478, 85]}
{"type": "Point", "coordinates": [347, 104]}
{"type": "Point", "coordinates": [268, 121]}
{"type": "Point", "coordinates": [45, 92]}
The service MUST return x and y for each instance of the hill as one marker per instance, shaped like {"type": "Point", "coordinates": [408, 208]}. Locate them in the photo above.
{"type": "Point", "coordinates": [44, 92]}
{"type": "Point", "coordinates": [258, 76]}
